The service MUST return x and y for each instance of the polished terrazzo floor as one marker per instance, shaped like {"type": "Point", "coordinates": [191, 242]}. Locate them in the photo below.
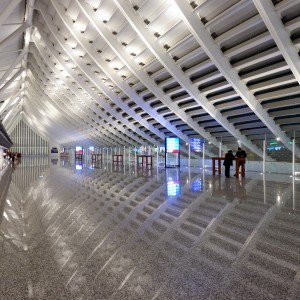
{"type": "Point", "coordinates": [117, 232]}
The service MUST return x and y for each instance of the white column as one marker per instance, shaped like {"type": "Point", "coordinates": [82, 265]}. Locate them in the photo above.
{"type": "Point", "coordinates": [135, 162]}
{"type": "Point", "coordinates": [294, 194]}
{"type": "Point", "coordinates": [157, 152]}
{"type": "Point", "coordinates": [220, 149]}
{"type": "Point", "coordinates": [265, 191]}
{"type": "Point", "coordinates": [293, 165]}
{"type": "Point", "coordinates": [189, 161]}
{"type": "Point", "coordinates": [203, 155]}
{"type": "Point", "coordinates": [124, 155]}
{"type": "Point", "coordinates": [264, 157]}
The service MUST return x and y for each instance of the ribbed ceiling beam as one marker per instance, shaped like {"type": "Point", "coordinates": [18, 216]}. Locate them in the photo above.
{"type": "Point", "coordinates": [58, 100]}
{"type": "Point", "coordinates": [102, 64]}
{"type": "Point", "coordinates": [38, 99]}
{"type": "Point", "coordinates": [11, 80]}
{"type": "Point", "coordinates": [35, 117]}
{"type": "Point", "coordinates": [8, 10]}
{"type": "Point", "coordinates": [13, 35]}
{"type": "Point", "coordinates": [222, 63]}
{"type": "Point", "coordinates": [16, 108]}
{"type": "Point", "coordinates": [156, 48]}
{"type": "Point", "coordinates": [10, 100]}
{"type": "Point", "coordinates": [144, 78]}
{"type": "Point", "coordinates": [60, 103]}
{"type": "Point", "coordinates": [80, 95]}
{"type": "Point", "coordinates": [46, 121]}
{"type": "Point", "coordinates": [101, 102]}
{"type": "Point", "coordinates": [82, 127]}
{"type": "Point", "coordinates": [275, 26]}
{"type": "Point", "coordinates": [114, 135]}
{"type": "Point", "coordinates": [12, 68]}
{"type": "Point", "coordinates": [67, 128]}
{"type": "Point", "coordinates": [12, 123]}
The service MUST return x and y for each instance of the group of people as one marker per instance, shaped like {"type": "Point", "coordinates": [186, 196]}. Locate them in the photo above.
{"type": "Point", "coordinates": [229, 157]}
{"type": "Point", "coordinates": [12, 156]}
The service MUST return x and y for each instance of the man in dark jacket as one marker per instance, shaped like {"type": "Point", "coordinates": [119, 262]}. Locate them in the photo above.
{"type": "Point", "coordinates": [241, 154]}
{"type": "Point", "coordinates": [229, 157]}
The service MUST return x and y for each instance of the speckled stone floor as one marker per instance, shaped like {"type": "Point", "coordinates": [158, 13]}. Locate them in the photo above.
{"type": "Point", "coordinates": [113, 232]}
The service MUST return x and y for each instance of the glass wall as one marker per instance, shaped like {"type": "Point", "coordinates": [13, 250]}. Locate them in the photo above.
{"type": "Point", "coordinates": [27, 142]}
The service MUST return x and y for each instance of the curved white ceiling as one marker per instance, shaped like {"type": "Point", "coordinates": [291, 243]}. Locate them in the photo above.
{"type": "Point", "coordinates": [132, 72]}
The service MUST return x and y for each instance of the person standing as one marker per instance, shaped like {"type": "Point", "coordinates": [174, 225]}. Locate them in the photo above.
{"type": "Point", "coordinates": [241, 154]}
{"type": "Point", "coordinates": [229, 157]}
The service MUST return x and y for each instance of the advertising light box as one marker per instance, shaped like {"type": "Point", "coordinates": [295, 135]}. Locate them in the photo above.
{"type": "Point", "coordinates": [196, 145]}
{"type": "Point", "coordinates": [91, 149]}
{"type": "Point", "coordinates": [78, 150]}
{"type": "Point", "coordinates": [172, 145]}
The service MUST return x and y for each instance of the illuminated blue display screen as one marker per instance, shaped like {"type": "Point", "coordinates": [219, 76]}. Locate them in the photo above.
{"type": "Point", "coordinates": [197, 185]}
{"type": "Point", "coordinates": [196, 145]}
{"type": "Point", "coordinates": [173, 188]}
{"type": "Point", "coordinates": [172, 145]}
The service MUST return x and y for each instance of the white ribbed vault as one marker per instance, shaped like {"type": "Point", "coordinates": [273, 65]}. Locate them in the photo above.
{"type": "Point", "coordinates": [132, 72]}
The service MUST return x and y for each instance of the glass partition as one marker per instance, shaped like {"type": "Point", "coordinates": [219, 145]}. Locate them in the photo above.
{"type": "Point", "coordinates": [210, 150]}
{"type": "Point", "coordinates": [277, 151]}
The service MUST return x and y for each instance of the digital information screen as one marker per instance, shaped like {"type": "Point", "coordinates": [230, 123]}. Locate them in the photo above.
{"type": "Point", "coordinates": [172, 145]}
{"type": "Point", "coordinates": [91, 149]}
{"type": "Point", "coordinates": [196, 145]}
{"type": "Point", "coordinates": [78, 149]}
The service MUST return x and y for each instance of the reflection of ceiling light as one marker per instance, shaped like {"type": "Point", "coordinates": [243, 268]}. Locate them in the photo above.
{"type": "Point", "coordinates": [5, 216]}
{"type": "Point", "coordinates": [278, 199]}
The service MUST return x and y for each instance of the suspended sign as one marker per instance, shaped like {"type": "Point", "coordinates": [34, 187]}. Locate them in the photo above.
{"type": "Point", "coordinates": [196, 145]}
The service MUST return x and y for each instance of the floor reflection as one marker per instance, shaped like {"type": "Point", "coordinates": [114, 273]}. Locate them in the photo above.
{"type": "Point", "coordinates": [77, 230]}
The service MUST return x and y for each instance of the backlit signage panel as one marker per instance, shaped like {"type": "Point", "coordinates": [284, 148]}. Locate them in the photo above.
{"type": "Point", "coordinates": [172, 145]}
{"type": "Point", "coordinates": [78, 150]}
{"type": "Point", "coordinates": [196, 145]}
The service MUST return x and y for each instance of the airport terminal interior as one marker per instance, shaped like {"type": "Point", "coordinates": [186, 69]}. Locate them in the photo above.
{"type": "Point", "coordinates": [116, 117]}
